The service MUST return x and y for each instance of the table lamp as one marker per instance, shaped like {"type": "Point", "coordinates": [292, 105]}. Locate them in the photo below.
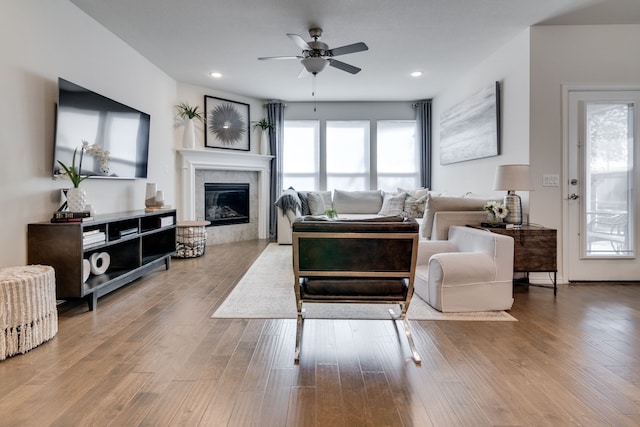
{"type": "Point", "coordinates": [512, 178]}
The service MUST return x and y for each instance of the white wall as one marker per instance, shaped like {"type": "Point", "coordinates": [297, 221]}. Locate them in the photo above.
{"type": "Point", "coordinates": [349, 111]}
{"type": "Point", "coordinates": [510, 66]}
{"type": "Point", "coordinates": [570, 55]}
{"type": "Point", "coordinates": [41, 41]}
{"type": "Point", "coordinates": [194, 95]}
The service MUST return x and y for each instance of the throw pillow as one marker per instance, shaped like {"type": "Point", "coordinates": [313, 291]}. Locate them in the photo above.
{"type": "Point", "coordinates": [436, 204]}
{"type": "Point", "coordinates": [357, 202]}
{"type": "Point", "coordinates": [304, 202]}
{"type": "Point", "coordinates": [414, 207]}
{"type": "Point", "coordinates": [392, 204]}
{"type": "Point", "coordinates": [316, 203]}
{"type": "Point", "coordinates": [417, 192]}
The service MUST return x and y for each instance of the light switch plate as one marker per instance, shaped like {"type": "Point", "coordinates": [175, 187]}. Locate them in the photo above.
{"type": "Point", "coordinates": [551, 180]}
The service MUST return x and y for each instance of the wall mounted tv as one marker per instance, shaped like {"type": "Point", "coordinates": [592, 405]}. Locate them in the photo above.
{"type": "Point", "coordinates": [122, 130]}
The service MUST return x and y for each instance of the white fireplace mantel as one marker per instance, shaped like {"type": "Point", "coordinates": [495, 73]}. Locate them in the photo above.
{"type": "Point", "coordinates": [193, 160]}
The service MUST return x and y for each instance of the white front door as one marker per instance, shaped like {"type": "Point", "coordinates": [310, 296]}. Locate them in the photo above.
{"type": "Point", "coordinates": [602, 189]}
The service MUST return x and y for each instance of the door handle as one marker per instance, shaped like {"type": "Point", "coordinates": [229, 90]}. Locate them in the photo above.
{"type": "Point", "coordinates": [573, 196]}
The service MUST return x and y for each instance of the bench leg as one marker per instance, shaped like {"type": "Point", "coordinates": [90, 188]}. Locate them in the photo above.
{"type": "Point", "coordinates": [407, 331]}
{"type": "Point", "coordinates": [412, 346]}
{"type": "Point", "coordinates": [299, 325]}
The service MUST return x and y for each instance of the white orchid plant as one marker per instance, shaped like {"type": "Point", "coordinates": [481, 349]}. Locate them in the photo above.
{"type": "Point", "coordinates": [95, 150]}
{"type": "Point", "coordinates": [496, 208]}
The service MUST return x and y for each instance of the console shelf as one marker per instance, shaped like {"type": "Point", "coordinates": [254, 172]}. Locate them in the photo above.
{"type": "Point", "coordinates": [137, 243]}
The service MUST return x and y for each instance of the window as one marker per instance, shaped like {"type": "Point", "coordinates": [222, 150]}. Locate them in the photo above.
{"type": "Point", "coordinates": [348, 155]}
{"type": "Point", "coordinates": [397, 155]}
{"type": "Point", "coordinates": [301, 155]}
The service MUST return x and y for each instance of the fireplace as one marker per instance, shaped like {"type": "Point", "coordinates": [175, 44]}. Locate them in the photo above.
{"type": "Point", "coordinates": [226, 204]}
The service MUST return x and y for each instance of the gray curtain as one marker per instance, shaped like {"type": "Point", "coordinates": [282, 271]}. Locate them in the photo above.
{"type": "Point", "coordinates": [275, 115]}
{"type": "Point", "coordinates": [423, 124]}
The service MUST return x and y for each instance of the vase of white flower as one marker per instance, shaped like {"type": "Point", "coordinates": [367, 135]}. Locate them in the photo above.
{"type": "Point", "coordinates": [495, 212]}
{"type": "Point", "coordinates": [76, 196]}
{"type": "Point", "coordinates": [76, 199]}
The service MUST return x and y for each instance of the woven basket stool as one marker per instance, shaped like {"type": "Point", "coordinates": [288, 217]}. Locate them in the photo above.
{"type": "Point", "coordinates": [28, 313]}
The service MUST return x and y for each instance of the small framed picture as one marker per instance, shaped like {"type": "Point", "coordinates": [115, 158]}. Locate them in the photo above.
{"type": "Point", "coordinates": [227, 124]}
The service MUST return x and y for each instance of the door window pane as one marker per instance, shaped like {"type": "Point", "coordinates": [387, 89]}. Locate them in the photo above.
{"type": "Point", "coordinates": [609, 179]}
{"type": "Point", "coordinates": [398, 155]}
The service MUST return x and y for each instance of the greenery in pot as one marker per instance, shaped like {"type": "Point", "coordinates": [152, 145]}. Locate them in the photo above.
{"type": "Point", "coordinates": [331, 213]}
{"type": "Point", "coordinates": [264, 125]}
{"type": "Point", "coordinates": [186, 111]}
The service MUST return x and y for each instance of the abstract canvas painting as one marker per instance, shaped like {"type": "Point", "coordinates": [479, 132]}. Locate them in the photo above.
{"type": "Point", "coordinates": [471, 129]}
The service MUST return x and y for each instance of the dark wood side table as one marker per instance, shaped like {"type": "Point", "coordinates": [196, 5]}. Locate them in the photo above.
{"type": "Point", "coordinates": [535, 249]}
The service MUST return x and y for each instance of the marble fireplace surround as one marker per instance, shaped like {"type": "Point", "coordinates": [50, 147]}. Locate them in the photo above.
{"type": "Point", "coordinates": [193, 160]}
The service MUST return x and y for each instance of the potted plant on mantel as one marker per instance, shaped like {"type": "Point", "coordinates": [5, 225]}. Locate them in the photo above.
{"type": "Point", "coordinates": [189, 114]}
{"type": "Point", "coordinates": [264, 126]}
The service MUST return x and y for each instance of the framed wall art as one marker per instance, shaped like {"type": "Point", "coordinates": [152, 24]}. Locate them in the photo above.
{"type": "Point", "coordinates": [471, 129]}
{"type": "Point", "coordinates": [227, 124]}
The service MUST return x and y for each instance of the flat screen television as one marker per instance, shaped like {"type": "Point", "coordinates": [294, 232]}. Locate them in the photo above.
{"type": "Point", "coordinates": [118, 128]}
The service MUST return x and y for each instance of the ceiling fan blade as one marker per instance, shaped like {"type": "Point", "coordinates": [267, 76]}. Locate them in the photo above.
{"type": "Point", "coordinates": [299, 41]}
{"type": "Point", "coordinates": [264, 58]}
{"type": "Point", "coordinates": [350, 48]}
{"type": "Point", "coordinates": [344, 67]}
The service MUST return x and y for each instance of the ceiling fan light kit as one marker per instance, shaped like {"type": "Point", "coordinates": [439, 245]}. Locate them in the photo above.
{"type": "Point", "coordinates": [314, 64]}
{"type": "Point", "coordinates": [316, 55]}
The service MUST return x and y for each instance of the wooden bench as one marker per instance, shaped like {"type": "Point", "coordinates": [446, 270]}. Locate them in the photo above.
{"type": "Point", "coordinates": [360, 261]}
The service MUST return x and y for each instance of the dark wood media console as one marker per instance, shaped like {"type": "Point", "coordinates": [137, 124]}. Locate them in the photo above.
{"type": "Point", "coordinates": [136, 242]}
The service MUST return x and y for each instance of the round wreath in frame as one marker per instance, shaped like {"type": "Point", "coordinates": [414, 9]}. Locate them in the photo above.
{"type": "Point", "coordinates": [227, 124]}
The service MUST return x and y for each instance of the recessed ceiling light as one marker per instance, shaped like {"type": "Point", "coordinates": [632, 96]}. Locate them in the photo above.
{"type": "Point", "coordinates": [215, 75]}
{"type": "Point", "coordinates": [416, 74]}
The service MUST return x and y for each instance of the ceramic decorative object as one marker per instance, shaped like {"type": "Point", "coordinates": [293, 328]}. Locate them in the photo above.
{"type": "Point", "coordinates": [159, 198]}
{"type": "Point", "coordinates": [86, 270]}
{"type": "Point", "coordinates": [150, 195]}
{"type": "Point", "coordinates": [264, 142]}
{"type": "Point", "coordinates": [99, 262]}
{"type": "Point", "coordinates": [189, 135]}
{"type": "Point", "coordinates": [76, 198]}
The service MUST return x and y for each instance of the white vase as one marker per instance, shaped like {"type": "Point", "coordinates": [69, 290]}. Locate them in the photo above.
{"type": "Point", "coordinates": [189, 135]}
{"type": "Point", "coordinates": [150, 195]}
{"type": "Point", "coordinates": [264, 143]}
{"type": "Point", "coordinates": [160, 198]}
{"type": "Point", "coordinates": [76, 198]}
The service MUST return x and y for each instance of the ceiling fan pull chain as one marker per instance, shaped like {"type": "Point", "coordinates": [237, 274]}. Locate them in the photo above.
{"type": "Point", "coordinates": [313, 92]}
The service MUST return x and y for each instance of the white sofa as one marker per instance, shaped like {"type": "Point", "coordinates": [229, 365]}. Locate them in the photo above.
{"type": "Point", "coordinates": [471, 271]}
{"type": "Point", "coordinates": [434, 213]}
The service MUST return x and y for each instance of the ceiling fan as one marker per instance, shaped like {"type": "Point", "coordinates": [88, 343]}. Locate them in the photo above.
{"type": "Point", "coordinates": [316, 55]}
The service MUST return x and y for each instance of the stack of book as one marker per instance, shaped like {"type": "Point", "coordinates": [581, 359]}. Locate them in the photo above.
{"type": "Point", "coordinates": [128, 232]}
{"type": "Point", "coordinates": [93, 238]}
{"type": "Point", "coordinates": [165, 221]}
{"type": "Point", "coordinates": [68, 216]}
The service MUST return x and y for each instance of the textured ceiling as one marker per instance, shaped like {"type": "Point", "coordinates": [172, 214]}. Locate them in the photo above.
{"type": "Point", "coordinates": [442, 38]}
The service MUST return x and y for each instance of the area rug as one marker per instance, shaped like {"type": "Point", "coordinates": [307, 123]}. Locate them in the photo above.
{"type": "Point", "coordinates": [266, 292]}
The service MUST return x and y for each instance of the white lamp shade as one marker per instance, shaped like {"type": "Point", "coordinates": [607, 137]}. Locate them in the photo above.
{"type": "Point", "coordinates": [512, 178]}
{"type": "Point", "coordinates": [314, 64]}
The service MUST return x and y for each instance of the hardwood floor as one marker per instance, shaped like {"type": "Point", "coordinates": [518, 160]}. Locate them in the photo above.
{"type": "Point", "coordinates": [151, 355]}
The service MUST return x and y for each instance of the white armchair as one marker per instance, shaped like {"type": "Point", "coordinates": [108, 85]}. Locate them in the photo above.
{"type": "Point", "coordinates": [472, 271]}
